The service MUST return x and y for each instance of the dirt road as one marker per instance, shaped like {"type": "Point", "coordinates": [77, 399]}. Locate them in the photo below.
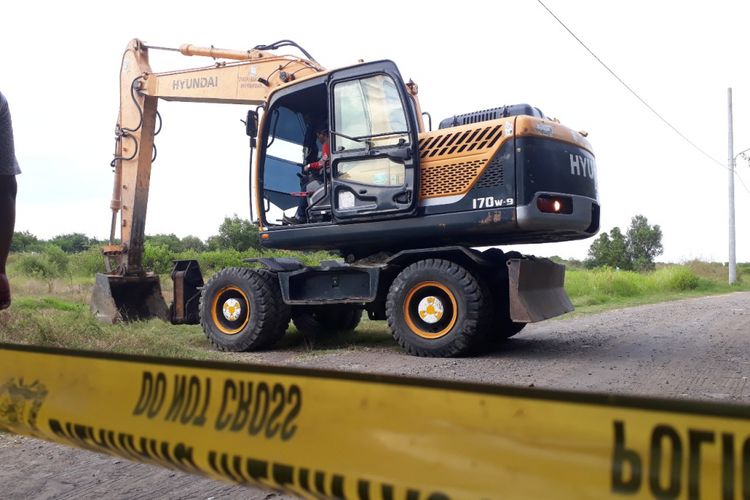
{"type": "Point", "coordinates": [696, 349]}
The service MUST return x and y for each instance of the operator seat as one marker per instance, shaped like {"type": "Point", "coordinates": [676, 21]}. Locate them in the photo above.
{"type": "Point", "coordinates": [318, 202]}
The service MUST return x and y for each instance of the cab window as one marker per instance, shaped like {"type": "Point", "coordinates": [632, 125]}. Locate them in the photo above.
{"type": "Point", "coordinates": [369, 113]}
{"type": "Point", "coordinates": [375, 172]}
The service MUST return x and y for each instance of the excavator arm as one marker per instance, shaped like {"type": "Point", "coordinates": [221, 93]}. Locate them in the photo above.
{"type": "Point", "coordinates": [236, 77]}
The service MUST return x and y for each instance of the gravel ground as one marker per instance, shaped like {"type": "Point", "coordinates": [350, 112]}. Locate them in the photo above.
{"type": "Point", "coordinates": [694, 349]}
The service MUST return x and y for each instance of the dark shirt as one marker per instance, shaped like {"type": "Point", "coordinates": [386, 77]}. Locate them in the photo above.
{"type": "Point", "coordinates": [8, 162]}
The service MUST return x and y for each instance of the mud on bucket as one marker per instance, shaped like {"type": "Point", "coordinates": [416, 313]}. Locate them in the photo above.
{"type": "Point", "coordinates": [128, 298]}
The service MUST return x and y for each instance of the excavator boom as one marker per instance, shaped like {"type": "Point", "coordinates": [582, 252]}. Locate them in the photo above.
{"type": "Point", "coordinates": [235, 77]}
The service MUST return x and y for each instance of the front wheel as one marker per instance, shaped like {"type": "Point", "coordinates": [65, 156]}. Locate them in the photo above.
{"type": "Point", "coordinates": [241, 310]}
{"type": "Point", "coordinates": [437, 308]}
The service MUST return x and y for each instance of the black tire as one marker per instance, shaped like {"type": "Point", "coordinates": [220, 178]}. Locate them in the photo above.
{"type": "Point", "coordinates": [283, 311]}
{"type": "Point", "coordinates": [241, 310]}
{"type": "Point", "coordinates": [437, 308]}
{"type": "Point", "coordinates": [323, 319]}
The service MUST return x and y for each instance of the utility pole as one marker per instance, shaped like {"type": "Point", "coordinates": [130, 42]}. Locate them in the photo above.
{"type": "Point", "coordinates": [732, 256]}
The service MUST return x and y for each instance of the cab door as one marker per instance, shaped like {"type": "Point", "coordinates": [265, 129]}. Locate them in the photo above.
{"type": "Point", "coordinates": [373, 139]}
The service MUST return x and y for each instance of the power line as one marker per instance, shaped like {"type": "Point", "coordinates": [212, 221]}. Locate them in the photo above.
{"type": "Point", "coordinates": [643, 101]}
{"type": "Point", "coordinates": [634, 92]}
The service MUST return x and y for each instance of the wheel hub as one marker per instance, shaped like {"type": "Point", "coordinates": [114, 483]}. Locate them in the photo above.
{"type": "Point", "coordinates": [430, 309]}
{"type": "Point", "coordinates": [232, 309]}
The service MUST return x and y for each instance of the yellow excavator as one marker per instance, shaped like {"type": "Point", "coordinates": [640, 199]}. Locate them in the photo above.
{"type": "Point", "coordinates": [404, 205]}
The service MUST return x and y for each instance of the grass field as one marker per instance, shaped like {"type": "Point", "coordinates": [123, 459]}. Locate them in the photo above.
{"type": "Point", "coordinates": [600, 289]}
{"type": "Point", "coordinates": [54, 312]}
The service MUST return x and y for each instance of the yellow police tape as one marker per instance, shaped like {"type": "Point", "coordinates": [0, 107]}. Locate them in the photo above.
{"type": "Point", "coordinates": [329, 434]}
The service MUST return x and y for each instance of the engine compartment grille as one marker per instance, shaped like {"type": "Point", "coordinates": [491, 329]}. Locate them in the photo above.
{"type": "Point", "coordinates": [444, 142]}
{"type": "Point", "coordinates": [493, 175]}
{"type": "Point", "coordinates": [449, 179]}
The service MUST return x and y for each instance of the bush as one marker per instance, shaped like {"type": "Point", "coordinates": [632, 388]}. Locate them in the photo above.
{"type": "Point", "coordinates": [193, 243]}
{"type": "Point", "coordinates": [157, 258]}
{"type": "Point", "coordinates": [237, 234]}
{"type": "Point", "coordinates": [602, 284]}
{"type": "Point", "coordinates": [36, 266]}
{"type": "Point", "coordinates": [614, 283]}
{"type": "Point", "coordinates": [87, 263]}
{"type": "Point", "coordinates": [72, 243]}
{"type": "Point", "coordinates": [170, 241]}
{"type": "Point", "coordinates": [58, 258]}
{"type": "Point", "coordinates": [676, 279]}
{"type": "Point", "coordinates": [216, 260]}
{"type": "Point", "coordinates": [46, 266]}
{"type": "Point", "coordinates": [24, 241]}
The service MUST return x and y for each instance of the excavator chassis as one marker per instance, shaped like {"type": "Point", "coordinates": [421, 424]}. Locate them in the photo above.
{"type": "Point", "coordinates": [535, 286]}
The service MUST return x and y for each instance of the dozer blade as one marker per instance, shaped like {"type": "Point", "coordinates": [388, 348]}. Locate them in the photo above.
{"type": "Point", "coordinates": [127, 298]}
{"type": "Point", "coordinates": [536, 290]}
{"type": "Point", "coordinates": [187, 281]}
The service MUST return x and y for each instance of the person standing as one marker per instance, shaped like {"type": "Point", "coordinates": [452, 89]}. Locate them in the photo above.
{"type": "Point", "coordinates": [8, 171]}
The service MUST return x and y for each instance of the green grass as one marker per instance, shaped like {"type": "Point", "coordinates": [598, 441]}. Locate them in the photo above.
{"type": "Point", "coordinates": [43, 303]}
{"type": "Point", "coordinates": [55, 322]}
{"type": "Point", "coordinates": [61, 318]}
{"type": "Point", "coordinates": [600, 289]}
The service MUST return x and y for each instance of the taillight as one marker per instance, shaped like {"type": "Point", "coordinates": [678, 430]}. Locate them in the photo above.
{"type": "Point", "coordinates": [555, 204]}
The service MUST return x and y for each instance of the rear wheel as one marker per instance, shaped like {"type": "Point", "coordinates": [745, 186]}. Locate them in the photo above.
{"type": "Point", "coordinates": [437, 308]}
{"type": "Point", "coordinates": [241, 310]}
{"type": "Point", "coordinates": [323, 319]}
{"type": "Point", "coordinates": [283, 311]}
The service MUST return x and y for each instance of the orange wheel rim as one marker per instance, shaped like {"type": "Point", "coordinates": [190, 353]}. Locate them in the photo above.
{"type": "Point", "coordinates": [230, 310]}
{"type": "Point", "coordinates": [430, 310]}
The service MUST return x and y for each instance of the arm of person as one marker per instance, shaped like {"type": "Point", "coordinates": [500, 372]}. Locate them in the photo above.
{"type": "Point", "coordinates": [318, 165]}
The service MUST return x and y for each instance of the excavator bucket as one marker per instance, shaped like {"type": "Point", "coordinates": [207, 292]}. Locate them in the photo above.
{"type": "Point", "coordinates": [536, 290]}
{"type": "Point", "coordinates": [128, 298]}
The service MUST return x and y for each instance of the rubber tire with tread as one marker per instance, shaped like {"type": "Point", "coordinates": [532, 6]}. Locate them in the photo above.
{"type": "Point", "coordinates": [473, 313]}
{"type": "Point", "coordinates": [323, 319]}
{"type": "Point", "coordinates": [283, 311]}
{"type": "Point", "coordinates": [268, 317]}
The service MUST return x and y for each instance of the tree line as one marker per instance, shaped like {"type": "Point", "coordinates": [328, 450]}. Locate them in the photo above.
{"type": "Point", "coordinates": [233, 233]}
{"type": "Point", "coordinates": [633, 250]}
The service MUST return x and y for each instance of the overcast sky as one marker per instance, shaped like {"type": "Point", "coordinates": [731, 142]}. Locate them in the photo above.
{"type": "Point", "coordinates": [59, 64]}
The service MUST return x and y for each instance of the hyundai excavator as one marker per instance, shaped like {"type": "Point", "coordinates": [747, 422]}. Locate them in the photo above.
{"type": "Point", "coordinates": [404, 205]}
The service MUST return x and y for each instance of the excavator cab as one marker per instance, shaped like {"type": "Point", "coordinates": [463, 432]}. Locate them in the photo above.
{"type": "Point", "coordinates": [373, 139]}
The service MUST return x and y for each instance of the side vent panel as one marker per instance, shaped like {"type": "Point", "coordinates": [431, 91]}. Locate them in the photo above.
{"type": "Point", "coordinates": [453, 160]}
